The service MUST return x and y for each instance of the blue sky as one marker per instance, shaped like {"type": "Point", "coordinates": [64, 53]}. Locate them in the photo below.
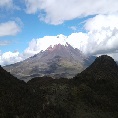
{"type": "Point", "coordinates": [89, 25]}
{"type": "Point", "coordinates": [32, 27]}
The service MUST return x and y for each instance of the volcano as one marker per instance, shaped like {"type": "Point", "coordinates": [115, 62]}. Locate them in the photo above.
{"type": "Point", "coordinates": [56, 61]}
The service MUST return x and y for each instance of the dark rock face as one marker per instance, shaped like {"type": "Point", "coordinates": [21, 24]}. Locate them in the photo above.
{"type": "Point", "coordinates": [58, 61]}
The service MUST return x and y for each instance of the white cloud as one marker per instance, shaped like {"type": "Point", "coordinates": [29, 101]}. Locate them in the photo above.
{"type": "Point", "coordinates": [77, 40]}
{"type": "Point", "coordinates": [57, 11]}
{"type": "Point", "coordinates": [100, 22]}
{"type": "Point", "coordinates": [102, 33]}
{"type": "Point", "coordinates": [10, 58]}
{"type": "Point", "coordinates": [36, 45]}
{"type": "Point", "coordinates": [8, 4]}
{"type": "Point", "coordinates": [9, 28]}
{"type": "Point", "coordinates": [32, 6]}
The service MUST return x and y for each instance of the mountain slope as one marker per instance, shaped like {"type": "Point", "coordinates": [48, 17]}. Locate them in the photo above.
{"type": "Point", "coordinates": [102, 78]}
{"type": "Point", "coordinates": [58, 61]}
{"type": "Point", "coordinates": [13, 96]}
{"type": "Point", "coordinates": [104, 67]}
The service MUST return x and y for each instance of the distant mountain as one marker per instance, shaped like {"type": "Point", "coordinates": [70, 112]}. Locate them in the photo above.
{"type": "Point", "coordinates": [58, 61]}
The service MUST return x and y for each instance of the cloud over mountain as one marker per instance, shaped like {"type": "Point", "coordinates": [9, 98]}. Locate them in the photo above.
{"type": "Point", "coordinates": [101, 37]}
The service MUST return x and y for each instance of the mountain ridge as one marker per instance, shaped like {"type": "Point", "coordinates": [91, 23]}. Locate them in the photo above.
{"type": "Point", "coordinates": [57, 61]}
{"type": "Point", "coordinates": [104, 64]}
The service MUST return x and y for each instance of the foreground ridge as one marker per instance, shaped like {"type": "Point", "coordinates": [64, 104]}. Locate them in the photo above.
{"type": "Point", "coordinates": [93, 94]}
{"type": "Point", "coordinates": [104, 67]}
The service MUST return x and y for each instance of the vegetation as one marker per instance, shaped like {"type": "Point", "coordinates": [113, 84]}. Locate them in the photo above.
{"type": "Point", "coordinates": [91, 94]}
